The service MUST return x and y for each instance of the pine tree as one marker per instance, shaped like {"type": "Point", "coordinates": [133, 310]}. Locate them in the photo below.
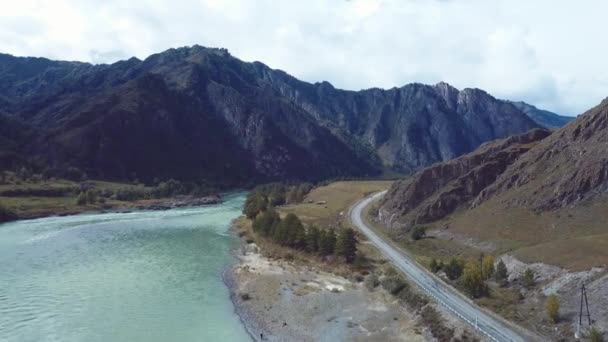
{"type": "Point", "coordinates": [528, 279]}
{"type": "Point", "coordinates": [312, 239]}
{"type": "Point", "coordinates": [346, 244]}
{"type": "Point", "coordinates": [254, 204]}
{"type": "Point", "coordinates": [501, 275]}
{"type": "Point", "coordinates": [264, 223]}
{"type": "Point", "coordinates": [327, 244]}
{"type": "Point", "coordinates": [91, 196]}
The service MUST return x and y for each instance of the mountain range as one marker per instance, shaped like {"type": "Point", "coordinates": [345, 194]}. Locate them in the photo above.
{"type": "Point", "coordinates": [201, 114]}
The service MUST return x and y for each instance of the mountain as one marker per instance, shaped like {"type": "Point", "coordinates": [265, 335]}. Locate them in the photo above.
{"type": "Point", "coordinates": [542, 117]}
{"type": "Point", "coordinates": [437, 191]}
{"type": "Point", "coordinates": [200, 113]}
{"type": "Point", "coordinates": [539, 171]}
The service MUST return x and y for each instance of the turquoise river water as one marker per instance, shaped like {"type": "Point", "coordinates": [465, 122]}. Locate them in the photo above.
{"type": "Point", "coordinates": [140, 276]}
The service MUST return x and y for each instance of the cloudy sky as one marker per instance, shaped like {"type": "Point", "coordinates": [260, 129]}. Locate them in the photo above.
{"type": "Point", "coordinates": [550, 53]}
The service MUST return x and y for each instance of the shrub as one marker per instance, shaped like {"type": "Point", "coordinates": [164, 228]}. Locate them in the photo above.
{"type": "Point", "coordinates": [413, 299]}
{"type": "Point", "coordinates": [473, 282]}
{"type": "Point", "coordinates": [528, 279]}
{"type": "Point", "coordinates": [81, 199]}
{"type": "Point", "coordinates": [453, 270]}
{"type": "Point", "coordinates": [596, 335]}
{"type": "Point", "coordinates": [7, 214]}
{"type": "Point", "coordinates": [371, 282]}
{"type": "Point", "coordinates": [433, 320]}
{"type": "Point", "coordinates": [435, 266]}
{"type": "Point", "coordinates": [393, 284]}
{"type": "Point", "coordinates": [418, 233]}
{"type": "Point", "coordinates": [552, 306]}
{"type": "Point", "coordinates": [245, 296]}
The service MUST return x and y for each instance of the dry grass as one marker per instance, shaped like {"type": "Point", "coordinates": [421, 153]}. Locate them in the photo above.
{"type": "Point", "coordinates": [339, 196]}
{"type": "Point", "coordinates": [574, 238]}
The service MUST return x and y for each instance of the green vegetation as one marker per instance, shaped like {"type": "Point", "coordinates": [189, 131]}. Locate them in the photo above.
{"type": "Point", "coordinates": [272, 195]}
{"type": "Point", "coordinates": [552, 307]}
{"type": "Point", "coordinates": [527, 279]}
{"type": "Point", "coordinates": [453, 270]}
{"type": "Point", "coordinates": [432, 319]}
{"type": "Point", "coordinates": [487, 266]}
{"type": "Point", "coordinates": [418, 233]}
{"type": "Point", "coordinates": [435, 266]}
{"type": "Point", "coordinates": [6, 214]}
{"type": "Point", "coordinates": [290, 232]}
{"type": "Point", "coordinates": [346, 245]}
{"type": "Point", "coordinates": [473, 282]}
{"type": "Point", "coordinates": [595, 335]}
{"type": "Point", "coordinates": [501, 275]}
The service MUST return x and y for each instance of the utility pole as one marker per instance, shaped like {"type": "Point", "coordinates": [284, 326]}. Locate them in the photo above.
{"type": "Point", "coordinates": [586, 313]}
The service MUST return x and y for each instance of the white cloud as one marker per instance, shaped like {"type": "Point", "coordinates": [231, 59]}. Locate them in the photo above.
{"type": "Point", "coordinates": [549, 53]}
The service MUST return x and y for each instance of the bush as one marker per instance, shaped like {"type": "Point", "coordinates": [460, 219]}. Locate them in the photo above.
{"type": "Point", "coordinates": [453, 270]}
{"type": "Point", "coordinates": [245, 296]}
{"type": "Point", "coordinates": [371, 282]}
{"type": "Point", "coordinates": [552, 306]}
{"type": "Point", "coordinates": [81, 199]}
{"type": "Point", "coordinates": [596, 335]}
{"type": "Point", "coordinates": [435, 266]}
{"type": "Point", "coordinates": [473, 282]}
{"type": "Point", "coordinates": [527, 279]}
{"type": "Point", "coordinates": [434, 321]}
{"type": "Point", "coordinates": [7, 214]}
{"type": "Point", "coordinates": [413, 299]}
{"type": "Point", "coordinates": [418, 233]}
{"type": "Point", "coordinates": [393, 284]}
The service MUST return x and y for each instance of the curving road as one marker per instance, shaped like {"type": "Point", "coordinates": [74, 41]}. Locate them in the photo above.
{"type": "Point", "coordinates": [492, 327]}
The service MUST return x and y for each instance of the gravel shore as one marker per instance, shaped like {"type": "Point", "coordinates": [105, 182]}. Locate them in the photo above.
{"type": "Point", "coordinates": [281, 301]}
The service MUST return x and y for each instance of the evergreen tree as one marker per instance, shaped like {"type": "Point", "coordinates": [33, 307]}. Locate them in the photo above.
{"type": "Point", "coordinates": [254, 204]}
{"type": "Point", "coordinates": [528, 279]}
{"type": "Point", "coordinates": [327, 243]}
{"type": "Point", "coordinates": [501, 275]}
{"type": "Point", "coordinates": [346, 244]}
{"type": "Point", "coordinates": [264, 223]}
{"type": "Point", "coordinates": [312, 239]}
{"type": "Point", "coordinates": [292, 227]}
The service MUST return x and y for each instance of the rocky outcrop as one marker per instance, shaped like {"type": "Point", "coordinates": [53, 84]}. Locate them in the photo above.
{"type": "Point", "coordinates": [437, 191]}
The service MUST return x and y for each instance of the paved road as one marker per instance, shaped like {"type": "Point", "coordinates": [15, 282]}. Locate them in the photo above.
{"type": "Point", "coordinates": [436, 289]}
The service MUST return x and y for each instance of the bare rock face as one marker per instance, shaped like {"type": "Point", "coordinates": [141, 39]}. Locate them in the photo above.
{"type": "Point", "coordinates": [438, 190]}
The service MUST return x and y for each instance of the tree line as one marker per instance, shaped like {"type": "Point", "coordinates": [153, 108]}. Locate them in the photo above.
{"type": "Point", "coordinates": [274, 194]}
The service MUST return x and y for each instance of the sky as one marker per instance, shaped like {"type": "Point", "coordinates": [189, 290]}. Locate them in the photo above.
{"type": "Point", "coordinates": [548, 53]}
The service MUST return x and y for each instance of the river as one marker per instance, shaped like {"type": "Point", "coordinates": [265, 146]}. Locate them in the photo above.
{"type": "Point", "coordinates": [140, 276]}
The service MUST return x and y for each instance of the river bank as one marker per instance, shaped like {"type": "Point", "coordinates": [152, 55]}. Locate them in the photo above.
{"type": "Point", "coordinates": [120, 206]}
{"type": "Point", "coordinates": [282, 301]}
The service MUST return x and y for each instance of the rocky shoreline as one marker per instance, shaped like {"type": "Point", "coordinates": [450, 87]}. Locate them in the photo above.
{"type": "Point", "coordinates": [281, 301]}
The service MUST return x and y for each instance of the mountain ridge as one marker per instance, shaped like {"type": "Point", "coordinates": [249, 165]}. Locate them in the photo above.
{"type": "Point", "coordinates": [276, 126]}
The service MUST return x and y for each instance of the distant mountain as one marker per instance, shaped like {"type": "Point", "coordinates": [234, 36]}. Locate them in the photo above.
{"type": "Point", "coordinates": [200, 113]}
{"type": "Point", "coordinates": [542, 117]}
{"type": "Point", "coordinates": [537, 171]}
